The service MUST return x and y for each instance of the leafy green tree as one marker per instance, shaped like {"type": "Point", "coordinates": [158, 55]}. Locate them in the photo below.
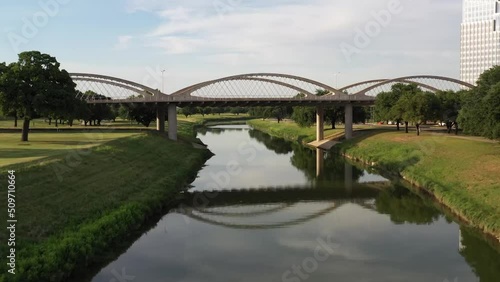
{"type": "Point", "coordinates": [203, 111]}
{"type": "Point", "coordinates": [480, 113]}
{"type": "Point", "coordinates": [383, 106]}
{"type": "Point", "coordinates": [62, 107]}
{"type": "Point", "coordinates": [187, 111]}
{"type": "Point", "coordinates": [7, 107]}
{"type": "Point", "coordinates": [32, 85]}
{"type": "Point", "coordinates": [401, 107]}
{"type": "Point", "coordinates": [236, 110]}
{"type": "Point", "coordinates": [98, 112]}
{"type": "Point", "coordinates": [421, 107]}
{"type": "Point", "coordinates": [304, 116]}
{"type": "Point", "coordinates": [450, 105]}
{"type": "Point", "coordinates": [141, 113]}
{"type": "Point", "coordinates": [217, 110]}
{"type": "Point", "coordinates": [81, 111]}
{"type": "Point", "coordinates": [387, 107]}
{"type": "Point", "coordinates": [279, 113]}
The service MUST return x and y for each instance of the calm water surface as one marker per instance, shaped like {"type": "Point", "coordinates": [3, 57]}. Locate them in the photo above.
{"type": "Point", "coordinates": [282, 212]}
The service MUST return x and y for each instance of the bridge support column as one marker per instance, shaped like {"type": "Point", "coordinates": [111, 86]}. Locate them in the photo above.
{"type": "Point", "coordinates": [320, 123]}
{"type": "Point", "coordinates": [348, 121]}
{"type": "Point", "coordinates": [160, 117]}
{"type": "Point", "coordinates": [172, 122]}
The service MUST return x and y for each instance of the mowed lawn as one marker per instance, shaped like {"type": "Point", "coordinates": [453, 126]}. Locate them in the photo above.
{"type": "Point", "coordinates": [43, 145]}
{"type": "Point", "coordinates": [75, 203]}
{"type": "Point", "coordinates": [464, 174]}
{"type": "Point", "coordinates": [289, 130]}
{"type": "Point", "coordinates": [43, 124]}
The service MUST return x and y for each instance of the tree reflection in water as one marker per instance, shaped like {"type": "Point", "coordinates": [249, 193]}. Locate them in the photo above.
{"type": "Point", "coordinates": [277, 145]}
{"type": "Point", "coordinates": [482, 256]}
{"type": "Point", "coordinates": [399, 203]}
{"type": "Point", "coordinates": [404, 206]}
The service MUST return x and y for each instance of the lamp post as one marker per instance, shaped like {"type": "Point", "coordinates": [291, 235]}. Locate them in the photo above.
{"type": "Point", "coordinates": [162, 90]}
{"type": "Point", "coordinates": [337, 79]}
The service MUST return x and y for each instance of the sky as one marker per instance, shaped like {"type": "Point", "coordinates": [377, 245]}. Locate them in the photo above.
{"type": "Point", "coordinates": [332, 41]}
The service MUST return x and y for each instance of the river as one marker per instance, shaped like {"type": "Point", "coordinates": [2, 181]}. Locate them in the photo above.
{"type": "Point", "coordinates": [263, 209]}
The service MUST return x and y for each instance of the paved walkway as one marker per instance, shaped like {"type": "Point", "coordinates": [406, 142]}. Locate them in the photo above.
{"type": "Point", "coordinates": [324, 144]}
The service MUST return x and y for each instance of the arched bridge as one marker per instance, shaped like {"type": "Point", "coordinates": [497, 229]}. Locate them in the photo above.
{"type": "Point", "coordinates": [254, 89]}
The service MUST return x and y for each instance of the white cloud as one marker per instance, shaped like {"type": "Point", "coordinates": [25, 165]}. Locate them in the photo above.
{"type": "Point", "coordinates": [123, 42]}
{"type": "Point", "coordinates": [301, 37]}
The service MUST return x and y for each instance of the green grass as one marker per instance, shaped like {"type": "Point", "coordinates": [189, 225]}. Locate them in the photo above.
{"type": "Point", "coordinates": [72, 204]}
{"type": "Point", "coordinates": [42, 124]}
{"type": "Point", "coordinates": [290, 130]}
{"type": "Point", "coordinates": [462, 174]}
{"type": "Point", "coordinates": [43, 145]}
{"type": "Point", "coordinates": [125, 124]}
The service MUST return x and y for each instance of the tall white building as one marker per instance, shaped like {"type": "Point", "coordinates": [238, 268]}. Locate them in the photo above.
{"type": "Point", "coordinates": [480, 38]}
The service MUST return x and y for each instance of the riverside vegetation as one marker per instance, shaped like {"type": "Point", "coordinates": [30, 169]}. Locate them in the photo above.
{"type": "Point", "coordinates": [460, 173]}
{"type": "Point", "coordinates": [74, 199]}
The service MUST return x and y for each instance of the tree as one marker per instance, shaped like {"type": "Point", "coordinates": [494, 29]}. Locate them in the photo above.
{"type": "Point", "coordinates": [203, 111]}
{"type": "Point", "coordinates": [279, 113]}
{"type": "Point", "coordinates": [31, 85]}
{"type": "Point", "coordinates": [7, 107]}
{"type": "Point", "coordinates": [480, 114]}
{"type": "Point", "coordinates": [236, 110]}
{"type": "Point", "coordinates": [450, 105]}
{"type": "Point", "coordinates": [304, 116]}
{"type": "Point", "coordinates": [187, 111]}
{"type": "Point", "coordinates": [420, 108]}
{"type": "Point", "coordinates": [98, 112]}
{"type": "Point", "coordinates": [401, 108]}
{"type": "Point", "coordinates": [387, 107]}
{"type": "Point", "coordinates": [141, 113]}
{"type": "Point", "coordinates": [217, 110]}
{"type": "Point", "coordinates": [333, 114]}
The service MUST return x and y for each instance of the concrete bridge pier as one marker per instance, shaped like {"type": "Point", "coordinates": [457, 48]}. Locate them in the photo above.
{"type": "Point", "coordinates": [320, 123]}
{"type": "Point", "coordinates": [348, 121]}
{"type": "Point", "coordinates": [160, 117]}
{"type": "Point", "coordinates": [172, 122]}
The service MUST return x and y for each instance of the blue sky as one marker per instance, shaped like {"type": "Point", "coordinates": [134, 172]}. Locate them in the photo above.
{"type": "Point", "coordinates": [196, 40]}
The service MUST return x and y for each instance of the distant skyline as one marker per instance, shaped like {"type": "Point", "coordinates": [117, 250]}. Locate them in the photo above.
{"type": "Point", "coordinates": [199, 40]}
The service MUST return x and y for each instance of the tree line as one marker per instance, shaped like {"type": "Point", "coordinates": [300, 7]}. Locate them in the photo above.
{"type": "Point", "coordinates": [36, 87]}
{"type": "Point", "coordinates": [305, 116]}
{"type": "Point", "coordinates": [475, 111]}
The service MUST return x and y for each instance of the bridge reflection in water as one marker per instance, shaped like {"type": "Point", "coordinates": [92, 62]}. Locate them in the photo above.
{"type": "Point", "coordinates": [332, 183]}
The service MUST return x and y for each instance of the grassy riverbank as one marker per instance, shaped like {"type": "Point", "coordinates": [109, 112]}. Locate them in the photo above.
{"type": "Point", "coordinates": [461, 173]}
{"type": "Point", "coordinates": [290, 130]}
{"type": "Point", "coordinates": [74, 200]}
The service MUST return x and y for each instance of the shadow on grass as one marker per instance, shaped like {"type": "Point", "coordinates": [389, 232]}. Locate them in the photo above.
{"type": "Point", "coordinates": [31, 153]}
{"type": "Point", "coordinates": [69, 143]}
